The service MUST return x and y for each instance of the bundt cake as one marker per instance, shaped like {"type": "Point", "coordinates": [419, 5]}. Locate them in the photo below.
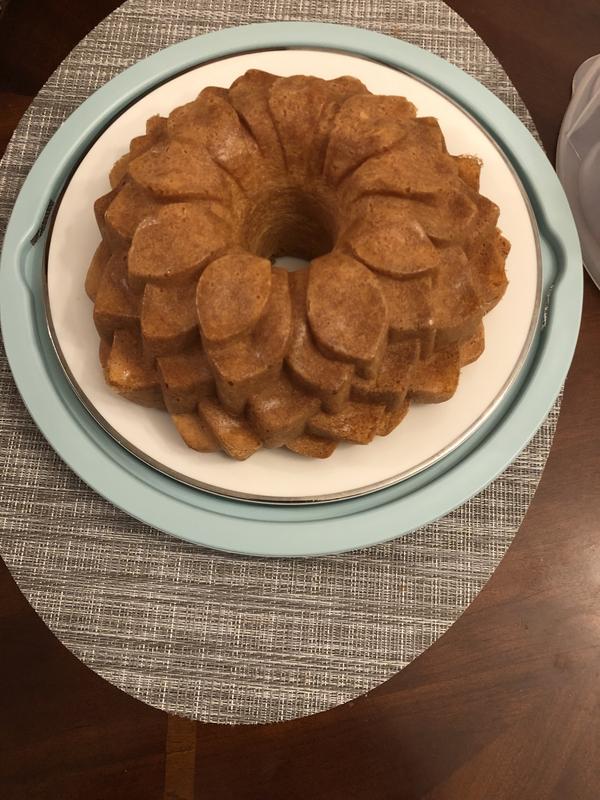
{"type": "Point", "coordinates": [193, 316]}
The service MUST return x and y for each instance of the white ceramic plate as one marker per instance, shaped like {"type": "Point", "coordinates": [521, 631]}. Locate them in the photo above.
{"type": "Point", "coordinates": [428, 432]}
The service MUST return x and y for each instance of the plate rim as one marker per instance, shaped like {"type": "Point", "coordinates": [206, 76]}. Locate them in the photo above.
{"type": "Point", "coordinates": [365, 489]}
{"type": "Point", "coordinates": [359, 526]}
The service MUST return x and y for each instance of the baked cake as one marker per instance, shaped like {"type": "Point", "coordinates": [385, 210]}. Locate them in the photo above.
{"type": "Point", "coordinates": [193, 316]}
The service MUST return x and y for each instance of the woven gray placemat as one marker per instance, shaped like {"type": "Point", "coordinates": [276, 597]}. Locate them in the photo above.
{"type": "Point", "coordinates": [213, 636]}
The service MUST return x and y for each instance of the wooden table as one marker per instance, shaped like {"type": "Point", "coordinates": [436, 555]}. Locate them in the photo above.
{"type": "Point", "coordinates": [506, 705]}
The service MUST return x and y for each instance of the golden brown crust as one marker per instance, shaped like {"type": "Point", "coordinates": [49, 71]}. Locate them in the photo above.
{"type": "Point", "coordinates": [366, 125]}
{"type": "Point", "coordinates": [311, 446]}
{"type": "Point", "coordinates": [469, 169]}
{"type": "Point", "coordinates": [356, 423]}
{"type": "Point", "coordinates": [436, 379]}
{"type": "Point", "coordinates": [173, 171]}
{"type": "Point", "coordinates": [128, 373]}
{"type": "Point", "coordinates": [131, 206]}
{"type": "Point", "coordinates": [470, 349]}
{"type": "Point", "coordinates": [347, 311]}
{"type": "Point", "coordinates": [175, 244]}
{"type": "Point", "coordinates": [399, 249]}
{"type": "Point", "coordinates": [246, 365]}
{"type": "Point", "coordinates": [295, 105]}
{"type": "Point", "coordinates": [185, 378]}
{"type": "Point", "coordinates": [390, 386]}
{"type": "Point", "coordinates": [232, 296]}
{"type": "Point", "coordinates": [280, 412]}
{"type": "Point", "coordinates": [410, 310]}
{"type": "Point", "coordinates": [233, 433]}
{"type": "Point", "coordinates": [211, 123]}
{"type": "Point", "coordinates": [456, 308]}
{"type": "Point", "coordinates": [96, 269]}
{"type": "Point", "coordinates": [168, 318]}
{"type": "Point", "coordinates": [405, 260]}
{"type": "Point", "coordinates": [391, 419]}
{"type": "Point", "coordinates": [326, 378]}
{"type": "Point", "coordinates": [195, 432]}
{"type": "Point", "coordinates": [116, 306]}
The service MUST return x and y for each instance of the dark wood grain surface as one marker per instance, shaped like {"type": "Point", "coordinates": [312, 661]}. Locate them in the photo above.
{"type": "Point", "coordinates": [505, 706]}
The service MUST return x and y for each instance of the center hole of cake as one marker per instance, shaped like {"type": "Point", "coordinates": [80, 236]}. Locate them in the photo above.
{"type": "Point", "coordinates": [290, 227]}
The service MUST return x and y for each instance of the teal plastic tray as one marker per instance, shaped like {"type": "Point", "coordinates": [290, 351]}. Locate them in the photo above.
{"type": "Point", "coordinates": [262, 529]}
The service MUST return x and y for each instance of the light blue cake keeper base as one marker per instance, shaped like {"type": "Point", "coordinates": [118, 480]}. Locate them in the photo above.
{"type": "Point", "coordinates": [276, 530]}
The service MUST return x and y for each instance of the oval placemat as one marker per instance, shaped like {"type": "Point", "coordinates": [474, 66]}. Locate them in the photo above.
{"type": "Point", "coordinates": [218, 637]}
